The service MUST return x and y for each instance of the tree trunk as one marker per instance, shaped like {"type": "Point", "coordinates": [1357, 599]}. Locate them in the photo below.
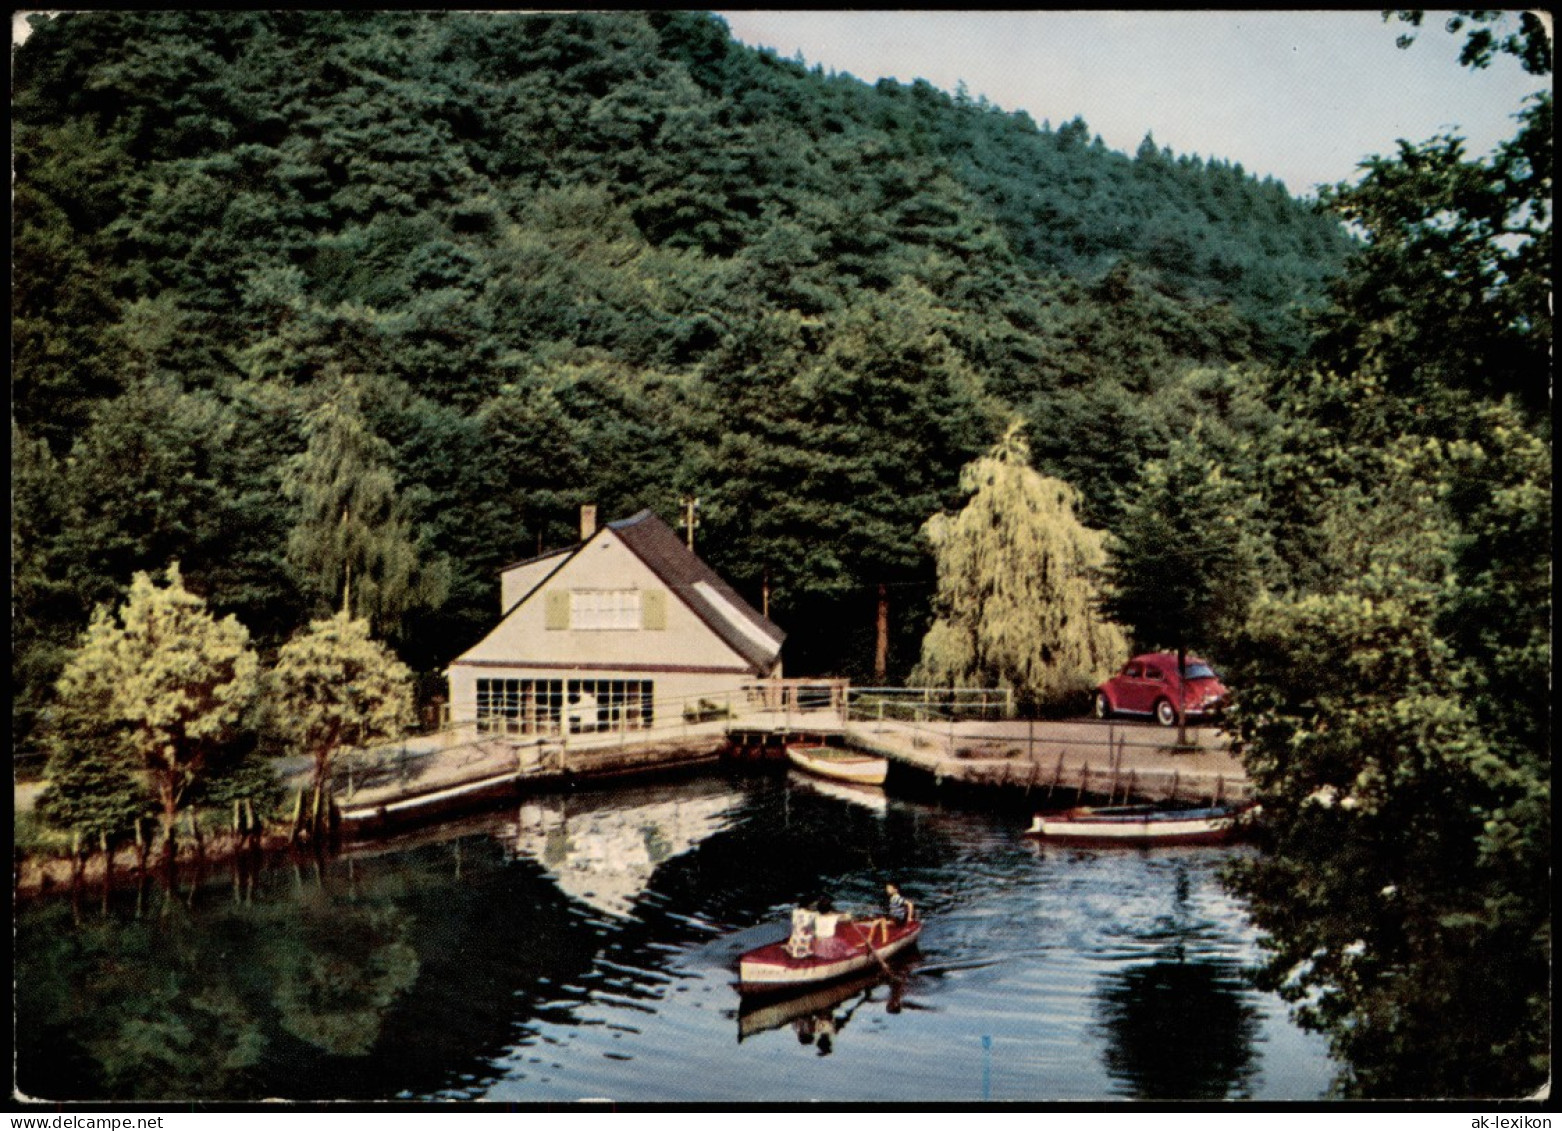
{"type": "Point", "coordinates": [1182, 717]}
{"type": "Point", "coordinates": [195, 834]}
{"type": "Point", "coordinates": [78, 859]}
{"type": "Point", "coordinates": [881, 644]}
{"type": "Point", "coordinates": [170, 818]}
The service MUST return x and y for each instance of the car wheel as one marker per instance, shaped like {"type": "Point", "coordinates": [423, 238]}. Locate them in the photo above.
{"type": "Point", "coordinates": [1103, 706]}
{"type": "Point", "coordinates": [1165, 713]}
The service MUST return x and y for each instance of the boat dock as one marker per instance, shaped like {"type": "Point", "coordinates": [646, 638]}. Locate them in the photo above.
{"type": "Point", "coordinates": [1039, 762]}
{"type": "Point", "coordinates": [988, 760]}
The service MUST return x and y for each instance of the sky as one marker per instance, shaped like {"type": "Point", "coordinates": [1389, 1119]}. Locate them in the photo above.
{"type": "Point", "coordinates": [1297, 95]}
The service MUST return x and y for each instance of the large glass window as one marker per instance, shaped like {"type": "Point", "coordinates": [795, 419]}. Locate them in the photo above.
{"type": "Point", "coordinates": [608, 705]}
{"type": "Point", "coordinates": [519, 706]}
{"type": "Point", "coordinates": [604, 608]}
{"type": "Point", "coordinates": [541, 706]}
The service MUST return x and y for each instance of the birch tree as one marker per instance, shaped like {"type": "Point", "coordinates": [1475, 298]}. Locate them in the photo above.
{"type": "Point", "coordinates": [1016, 600]}
{"type": "Point", "coordinates": [335, 686]}
{"type": "Point", "coordinates": [163, 687]}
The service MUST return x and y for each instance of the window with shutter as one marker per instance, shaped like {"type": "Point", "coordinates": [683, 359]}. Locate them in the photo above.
{"type": "Point", "coordinates": [653, 610]}
{"type": "Point", "coordinates": [604, 609]}
{"type": "Point", "coordinates": [558, 609]}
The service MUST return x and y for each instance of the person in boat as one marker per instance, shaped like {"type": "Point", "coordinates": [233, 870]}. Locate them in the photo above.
{"type": "Point", "coordinates": [828, 919]}
{"type": "Point", "coordinates": [898, 912]}
{"type": "Point", "coordinates": [804, 926]}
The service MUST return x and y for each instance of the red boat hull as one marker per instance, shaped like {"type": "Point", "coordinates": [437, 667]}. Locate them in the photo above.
{"type": "Point", "coordinates": [770, 969]}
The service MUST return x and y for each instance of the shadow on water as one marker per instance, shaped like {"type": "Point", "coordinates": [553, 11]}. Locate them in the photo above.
{"type": "Point", "coordinates": [1179, 1030]}
{"type": "Point", "coordinates": [1179, 1027]}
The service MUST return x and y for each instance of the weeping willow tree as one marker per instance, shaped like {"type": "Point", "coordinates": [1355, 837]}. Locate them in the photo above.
{"type": "Point", "coordinates": [354, 541]}
{"type": "Point", "coordinates": [1016, 602]}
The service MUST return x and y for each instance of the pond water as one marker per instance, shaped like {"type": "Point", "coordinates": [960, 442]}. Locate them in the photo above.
{"type": "Point", "coordinates": [585, 945]}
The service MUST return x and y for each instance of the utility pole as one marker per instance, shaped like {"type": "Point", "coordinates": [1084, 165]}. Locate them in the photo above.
{"type": "Point", "coordinates": [691, 506]}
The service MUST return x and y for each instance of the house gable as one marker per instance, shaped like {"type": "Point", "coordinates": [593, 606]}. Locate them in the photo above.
{"type": "Point", "coordinates": [625, 600]}
{"type": "Point", "coordinates": [747, 632]}
{"type": "Point", "coordinates": [518, 580]}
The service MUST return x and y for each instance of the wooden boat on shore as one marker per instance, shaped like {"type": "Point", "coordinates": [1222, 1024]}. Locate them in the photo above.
{"type": "Point", "coordinates": [839, 764]}
{"type": "Point", "coordinates": [1141, 824]}
{"type": "Point", "coordinates": [770, 969]}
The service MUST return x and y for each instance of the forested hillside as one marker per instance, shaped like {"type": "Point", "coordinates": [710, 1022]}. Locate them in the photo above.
{"type": "Point", "coordinates": [540, 260]}
{"type": "Point", "coordinates": [315, 303]}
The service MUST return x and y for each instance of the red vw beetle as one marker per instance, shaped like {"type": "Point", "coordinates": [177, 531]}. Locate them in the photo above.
{"type": "Point", "coordinates": [1148, 685]}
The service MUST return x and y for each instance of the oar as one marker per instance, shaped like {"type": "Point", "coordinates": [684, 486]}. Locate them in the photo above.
{"type": "Point", "coordinates": [868, 945]}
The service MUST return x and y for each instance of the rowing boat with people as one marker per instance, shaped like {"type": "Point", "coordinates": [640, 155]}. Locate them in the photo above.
{"type": "Point", "coordinates": [854, 947]}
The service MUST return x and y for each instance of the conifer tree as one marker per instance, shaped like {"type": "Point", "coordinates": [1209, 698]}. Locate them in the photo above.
{"type": "Point", "coordinates": [354, 545]}
{"type": "Point", "coordinates": [1016, 603]}
{"type": "Point", "coordinates": [1184, 565]}
{"type": "Point", "coordinates": [94, 791]}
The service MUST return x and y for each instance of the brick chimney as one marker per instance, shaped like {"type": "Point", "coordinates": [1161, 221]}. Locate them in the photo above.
{"type": "Point", "coordinates": [588, 520]}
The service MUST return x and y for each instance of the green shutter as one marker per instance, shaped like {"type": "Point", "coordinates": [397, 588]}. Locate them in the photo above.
{"type": "Point", "coordinates": [558, 608]}
{"type": "Point", "coordinates": [653, 609]}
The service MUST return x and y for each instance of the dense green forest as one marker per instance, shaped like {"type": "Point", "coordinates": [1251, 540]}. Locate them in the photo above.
{"type": "Point", "coordinates": [581, 258]}
{"type": "Point", "coordinates": [451, 276]}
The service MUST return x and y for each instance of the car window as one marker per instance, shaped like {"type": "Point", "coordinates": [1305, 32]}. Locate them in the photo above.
{"type": "Point", "coordinates": [1152, 673]}
{"type": "Point", "coordinates": [1132, 671]}
{"type": "Point", "coordinates": [1201, 671]}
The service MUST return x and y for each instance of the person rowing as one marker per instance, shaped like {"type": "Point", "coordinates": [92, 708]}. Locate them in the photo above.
{"type": "Point", "coordinates": [898, 912]}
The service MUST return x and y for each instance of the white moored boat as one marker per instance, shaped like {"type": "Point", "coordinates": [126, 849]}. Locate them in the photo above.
{"type": "Point", "coordinates": [1140, 824]}
{"type": "Point", "coordinates": [842, 765]}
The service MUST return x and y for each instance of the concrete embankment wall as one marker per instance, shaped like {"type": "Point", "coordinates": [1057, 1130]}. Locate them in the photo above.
{"type": "Point", "coordinates": [1057, 767]}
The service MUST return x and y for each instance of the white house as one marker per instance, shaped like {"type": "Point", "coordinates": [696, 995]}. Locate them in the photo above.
{"type": "Point", "coordinates": [627, 628]}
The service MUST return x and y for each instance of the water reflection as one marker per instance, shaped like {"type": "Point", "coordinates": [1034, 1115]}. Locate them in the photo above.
{"type": "Point", "coordinates": [314, 984]}
{"type": "Point", "coordinates": [603, 852]}
{"type": "Point", "coordinates": [587, 946]}
{"type": "Point", "coordinates": [869, 797]}
{"type": "Point", "coordinates": [1181, 1025]}
{"type": "Point", "coordinates": [1180, 1029]}
{"type": "Point", "coordinates": [818, 1017]}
